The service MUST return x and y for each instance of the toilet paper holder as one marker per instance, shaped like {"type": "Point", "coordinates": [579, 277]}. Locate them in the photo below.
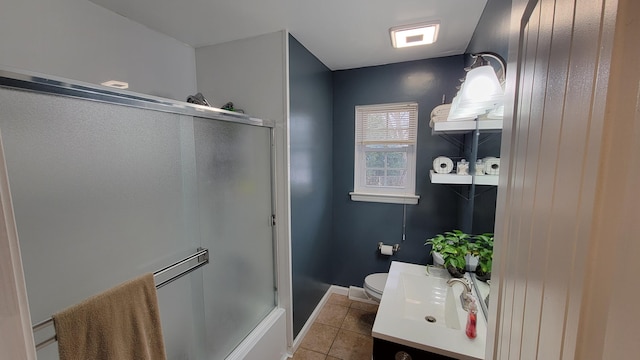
{"type": "Point", "coordinates": [396, 247]}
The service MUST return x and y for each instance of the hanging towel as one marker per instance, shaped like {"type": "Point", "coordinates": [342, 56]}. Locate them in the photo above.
{"type": "Point", "coordinates": [123, 323]}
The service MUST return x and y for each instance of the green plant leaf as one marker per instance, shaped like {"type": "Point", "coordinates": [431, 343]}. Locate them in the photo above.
{"type": "Point", "coordinates": [449, 250]}
{"type": "Point", "coordinates": [453, 246]}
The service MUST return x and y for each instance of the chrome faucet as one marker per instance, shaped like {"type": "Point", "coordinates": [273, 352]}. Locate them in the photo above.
{"type": "Point", "coordinates": [465, 298]}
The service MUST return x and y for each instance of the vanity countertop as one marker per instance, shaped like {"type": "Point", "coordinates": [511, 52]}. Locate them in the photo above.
{"type": "Point", "coordinates": [397, 320]}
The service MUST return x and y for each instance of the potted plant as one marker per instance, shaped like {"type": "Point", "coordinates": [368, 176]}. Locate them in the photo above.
{"type": "Point", "coordinates": [452, 246]}
{"type": "Point", "coordinates": [482, 247]}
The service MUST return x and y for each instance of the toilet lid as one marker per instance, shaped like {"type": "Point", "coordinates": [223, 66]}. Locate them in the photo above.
{"type": "Point", "coordinates": [376, 282]}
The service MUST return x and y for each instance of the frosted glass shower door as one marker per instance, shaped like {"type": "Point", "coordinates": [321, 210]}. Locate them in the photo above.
{"type": "Point", "coordinates": [233, 167]}
{"type": "Point", "coordinates": [102, 193]}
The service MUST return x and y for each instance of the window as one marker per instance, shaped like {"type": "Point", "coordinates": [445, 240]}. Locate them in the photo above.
{"type": "Point", "coordinates": [385, 153]}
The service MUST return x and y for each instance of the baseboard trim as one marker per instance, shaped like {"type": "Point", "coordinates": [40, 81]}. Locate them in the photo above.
{"type": "Point", "coordinates": [307, 325]}
{"type": "Point", "coordinates": [340, 290]}
{"type": "Point", "coordinates": [333, 289]}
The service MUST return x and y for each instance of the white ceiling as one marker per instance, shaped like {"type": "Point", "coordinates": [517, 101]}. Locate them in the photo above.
{"type": "Point", "coordinates": [343, 34]}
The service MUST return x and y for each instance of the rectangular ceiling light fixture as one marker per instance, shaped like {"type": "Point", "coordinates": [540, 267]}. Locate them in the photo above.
{"type": "Point", "coordinates": [116, 84]}
{"type": "Point", "coordinates": [414, 35]}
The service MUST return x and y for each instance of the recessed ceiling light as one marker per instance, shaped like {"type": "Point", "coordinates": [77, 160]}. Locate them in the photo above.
{"type": "Point", "coordinates": [116, 84]}
{"type": "Point", "coordinates": [414, 35]}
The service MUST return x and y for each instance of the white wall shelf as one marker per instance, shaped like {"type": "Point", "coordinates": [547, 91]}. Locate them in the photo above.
{"type": "Point", "coordinates": [466, 126]}
{"type": "Point", "coordinates": [455, 179]}
{"type": "Point", "coordinates": [491, 180]}
{"type": "Point", "coordinates": [449, 178]}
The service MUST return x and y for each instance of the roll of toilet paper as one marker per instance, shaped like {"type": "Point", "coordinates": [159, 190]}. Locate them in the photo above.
{"type": "Point", "coordinates": [386, 250]}
{"type": "Point", "coordinates": [442, 165]}
{"type": "Point", "coordinates": [492, 166]}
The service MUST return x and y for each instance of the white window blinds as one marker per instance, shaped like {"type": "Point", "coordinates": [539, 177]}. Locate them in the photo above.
{"type": "Point", "coordinates": [387, 124]}
{"type": "Point", "coordinates": [385, 153]}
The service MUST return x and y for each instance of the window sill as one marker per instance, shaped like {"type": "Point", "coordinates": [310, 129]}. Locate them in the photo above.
{"type": "Point", "coordinates": [385, 198]}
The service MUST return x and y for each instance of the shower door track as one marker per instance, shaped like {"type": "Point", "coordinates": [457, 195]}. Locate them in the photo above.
{"type": "Point", "coordinates": [75, 89]}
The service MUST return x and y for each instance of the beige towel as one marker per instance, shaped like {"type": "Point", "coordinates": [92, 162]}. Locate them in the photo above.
{"type": "Point", "coordinates": [123, 323]}
{"type": "Point", "coordinates": [436, 119]}
{"type": "Point", "coordinates": [441, 110]}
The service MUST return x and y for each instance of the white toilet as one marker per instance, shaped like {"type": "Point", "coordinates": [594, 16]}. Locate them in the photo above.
{"type": "Point", "coordinates": [374, 286]}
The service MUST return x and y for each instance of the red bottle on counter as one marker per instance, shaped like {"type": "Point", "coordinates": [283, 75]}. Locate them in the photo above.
{"type": "Point", "coordinates": [471, 321]}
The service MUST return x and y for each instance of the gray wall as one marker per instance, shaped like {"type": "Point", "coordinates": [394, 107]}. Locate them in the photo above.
{"type": "Point", "coordinates": [79, 40]}
{"type": "Point", "coordinates": [311, 180]}
{"type": "Point", "coordinates": [248, 72]}
{"type": "Point", "coordinates": [252, 74]}
{"type": "Point", "coordinates": [359, 226]}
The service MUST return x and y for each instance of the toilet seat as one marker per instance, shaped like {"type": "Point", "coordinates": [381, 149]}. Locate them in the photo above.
{"type": "Point", "coordinates": [374, 285]}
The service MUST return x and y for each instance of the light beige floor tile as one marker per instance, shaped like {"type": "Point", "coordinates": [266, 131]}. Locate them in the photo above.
{"type": "Point", "coordinates": [332, 314]}
{"type": "Point", "coordinates": [360, 321]}
{"type": "Point", "coordinates": [319, 338]}
{"type": "Point", "coordinates": [350, 345]}
{"type": "Point", "coordinates": [339, 300]}
{"type": "Point", "coordinates": [304, 354]}
{"type": "Point", "coordinates": [364, 306]}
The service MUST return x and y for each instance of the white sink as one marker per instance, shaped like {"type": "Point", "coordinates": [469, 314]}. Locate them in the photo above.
{"type": "Point", "coordinates": [429, 299]}
{"type": "Point", "coordinates": [412, 294]}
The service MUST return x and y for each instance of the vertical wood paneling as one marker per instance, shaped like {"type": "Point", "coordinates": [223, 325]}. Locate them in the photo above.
{"type": "Point", "coordinates": [566, 174]}
{"type": "Point", "coordinates": [579, 115]}
{"type": "Point", "coordinates": [509, 282]}
{"type": "Point", "coordinates": [622, 338]}
{"type": "Point", "coordinates": [527, 114]}
{"type": "Point", "coordinates": [609, 314]}
{"type": "Point", "coordinates": [546, 119]}
{"type": "Point", "coordinates": [495, 334]}
{"type": "Point", "coordinates": [509, 279]}
{"type": "Point", "coordinates": [552, 182]}
{"type": "Point", "coordinates": [530, 265]}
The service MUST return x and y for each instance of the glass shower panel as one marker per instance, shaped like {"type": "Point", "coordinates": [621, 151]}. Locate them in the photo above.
{"type": "Point", "coordinates": [103, 193]}
{"type": "Point", "coordinates": [233, 164]}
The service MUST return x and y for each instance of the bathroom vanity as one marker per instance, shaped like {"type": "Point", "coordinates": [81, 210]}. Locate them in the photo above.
{"type": "Point", "coordinates": [421, 317]}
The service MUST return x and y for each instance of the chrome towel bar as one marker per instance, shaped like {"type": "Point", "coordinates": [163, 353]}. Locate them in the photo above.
{"type": "Point", "coordinates": [202, 257]}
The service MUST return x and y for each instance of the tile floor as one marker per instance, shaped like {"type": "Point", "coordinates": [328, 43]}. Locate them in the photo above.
{"type": "Point", "coordinates": [341, 331]}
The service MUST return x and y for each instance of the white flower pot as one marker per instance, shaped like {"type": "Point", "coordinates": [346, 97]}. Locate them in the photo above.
{"type": "Point", "coordinates": [438, 260]}
{"type": "Point", "coordinates": [472, 262]}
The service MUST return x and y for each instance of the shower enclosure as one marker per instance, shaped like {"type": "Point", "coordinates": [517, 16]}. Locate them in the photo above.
{"type": "Point", "coordinates": [107, 186]}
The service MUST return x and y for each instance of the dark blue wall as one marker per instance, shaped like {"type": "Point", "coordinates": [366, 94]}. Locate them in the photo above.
{"type": "Point", "coordinates": [311, 179]}
{"type": "Point", "coordinates": [491, 35]}
{"type": "Point", "coordinates": [359, 226]}
{"type": "Point", "coordinates": [478, 216]}
{"type": "Point", "coordinates": [492, 31]}
{"type": "Point", "coordinates": [322, 145]}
